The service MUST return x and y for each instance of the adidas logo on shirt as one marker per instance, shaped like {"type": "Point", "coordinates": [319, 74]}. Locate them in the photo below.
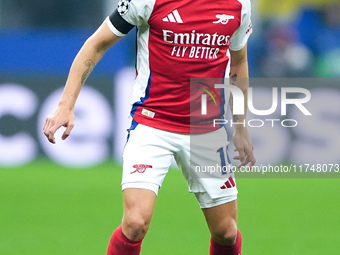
{"type": "Point", "coordinates": [173, 17]}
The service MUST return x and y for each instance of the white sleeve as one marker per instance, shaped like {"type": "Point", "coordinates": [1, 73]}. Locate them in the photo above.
{"type": "Point", "coordinates": [129, 13]}
{"type": "Point", "coordinates": [240, 38]}
{"type": "Point", "coordinates": [139, 11]}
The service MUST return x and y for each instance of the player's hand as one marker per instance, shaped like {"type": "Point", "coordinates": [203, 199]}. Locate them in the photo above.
{"type": "Point", "coordinates": [59, 118]}
{"type": "Point", "coordinates": [244, 147]}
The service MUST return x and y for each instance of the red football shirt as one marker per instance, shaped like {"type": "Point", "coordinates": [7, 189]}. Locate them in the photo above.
{"type": "Point", "coordinates": [177, 41]}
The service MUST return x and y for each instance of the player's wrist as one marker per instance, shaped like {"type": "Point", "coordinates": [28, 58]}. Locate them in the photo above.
{"type": "Point", "coordinates": [240, 128]}
{"type": "Point", "coordinates": [66, 104]}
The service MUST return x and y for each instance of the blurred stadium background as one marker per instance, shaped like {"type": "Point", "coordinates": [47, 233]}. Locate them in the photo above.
{"type": "Point", "coordinates": [66, 199]}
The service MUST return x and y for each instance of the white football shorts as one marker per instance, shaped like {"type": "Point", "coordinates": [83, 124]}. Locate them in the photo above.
{"type": "Point", "coordinates": [202, 158]}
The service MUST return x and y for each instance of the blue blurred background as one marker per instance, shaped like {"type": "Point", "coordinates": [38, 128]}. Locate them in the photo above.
{"type": "Point", "coordinates": [292, 38]}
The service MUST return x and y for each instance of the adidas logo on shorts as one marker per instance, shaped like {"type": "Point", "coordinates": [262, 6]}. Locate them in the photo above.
{"type": "Point", "coordinates": [229, 184]}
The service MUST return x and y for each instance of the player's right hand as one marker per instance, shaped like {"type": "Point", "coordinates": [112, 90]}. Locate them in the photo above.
{"type": "Point", "coordinates": [57, 119]}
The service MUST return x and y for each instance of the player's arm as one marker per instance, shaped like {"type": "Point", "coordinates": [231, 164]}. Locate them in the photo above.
{"type": "Point", "coordinates": [239, 77]}
{"type": "Point", "coordinates": [86, 59]}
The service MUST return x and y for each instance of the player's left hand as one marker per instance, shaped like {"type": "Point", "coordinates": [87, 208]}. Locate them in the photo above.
{"type": "Point", "coordinates": [244, 147]}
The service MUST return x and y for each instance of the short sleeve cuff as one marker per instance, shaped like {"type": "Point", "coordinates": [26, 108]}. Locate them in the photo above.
{"type": "Point", "coordinates": [239, 46]}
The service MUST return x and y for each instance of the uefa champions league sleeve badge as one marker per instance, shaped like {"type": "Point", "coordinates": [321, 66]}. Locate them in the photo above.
{"type": "Point", "coordinates": [123, 7]}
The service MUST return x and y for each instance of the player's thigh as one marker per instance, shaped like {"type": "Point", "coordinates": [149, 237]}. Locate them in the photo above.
{"type": "Point", "coordinates": [146, 160]}
{"type": "Point", "coordinates": [221, 221]}
{"type": "Point", "coordinates": [221, 215]}
{"type": "Point", "coordinates": [138, 202]}
{"type": "Point", "coordinates": [138, 209]}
